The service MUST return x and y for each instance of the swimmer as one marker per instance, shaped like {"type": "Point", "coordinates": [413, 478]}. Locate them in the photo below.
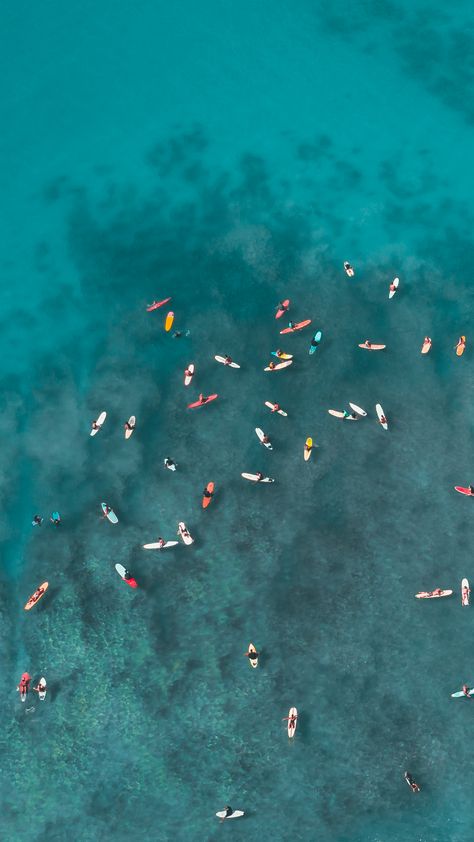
{"type": "Point", "coordinates": [37, 520]}
{"type": "Point", "coordinates": [411, 783]}
{"type": "Point", "coordinates": [178, 333]}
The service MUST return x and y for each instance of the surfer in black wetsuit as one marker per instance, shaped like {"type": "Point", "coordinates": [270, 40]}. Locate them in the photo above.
{"type": "Point", "coordinates": [207, 494]}
{"type": "Point", "coordinates": [37, 520]}
{"type": "Point", "coordinates": [411, 783]}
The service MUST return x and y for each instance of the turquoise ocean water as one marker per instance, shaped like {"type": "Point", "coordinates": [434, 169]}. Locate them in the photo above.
{"type": "Point", "coordinates": [231, 155]}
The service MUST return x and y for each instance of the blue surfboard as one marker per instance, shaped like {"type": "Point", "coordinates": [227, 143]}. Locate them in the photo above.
{"type": "Point", "coordinates": [315, 341]}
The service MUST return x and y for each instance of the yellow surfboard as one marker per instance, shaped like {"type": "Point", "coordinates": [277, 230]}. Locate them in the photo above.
{"type": "Point", "coordinates": [308, 448]}
{"type": "Point", "coordinates": [169, 321]}
{"type": "Point", "coordinates": [461, 346]}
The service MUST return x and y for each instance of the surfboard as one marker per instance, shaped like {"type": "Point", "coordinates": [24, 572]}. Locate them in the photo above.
{"type": "Point", "coordinates": [184, 534]}
{"type": "Point", "coordinates": [169, 321]}
{"type": "Point", "coordinates": [392, 292]}
{"type": "Point", "coordinates": [372, 347]}
{"type": "Point", "coordinates": [462, 490]}
{"type": "Point", "coordinates": [222, 360]}
{"type": "Point", "coordinates": [156, 546]}
{"type": "Point", "coordinates": [292, 728]}
{"type": "Point", "coordinates": [156, 304]}
{"type": "Point", "coordinates": [279, 365]}
{"type": "Point", "coordinates": [278, 411]}
{"type": "Point", "coordinates": [459, 694]}
{"type": "Point", "coordinates": [308, 448]}
{"type": "Point", "coordinates": [235, 815]}
{"type": "Point", "coordinates": [281, 310]}
{"type": "Point", "coordinates": [261, 436]}
{"type": "Point", "coordinates": [432, 595]}
{"type": "Point", "coordinates": [426, 345]}
{"type": "Point", "coordinates": [198, 403]}
{"type": "Point", "coordinates": [123, 573]}
{"type": "Point", "coordinates": [254, 478]}
{"type": "Point", "coordinates": [316, 340]}
{"type": "Point", "coordinates": [109, 515]}
{"type": "Point", "coordinates": [297, 326]}
{"type": "Point", "coordinates": [348, 269]}
{"type": "Point", "coordinates": [380, 415]}
{"type": "Point", "coordinates": [253, 661]}
{"type": "Point", "coordinates": [38, 594]}
{"type": "Point", "coordinates": [282, 356]}
{"type": "Point", "coordinates": [132, 421]}
{"type": "Point", "coordinates": [336, 412]}
{"type": "Point", "coordinates": [465, 592]}
{"type": "Point", "coordinates": [460, 347]}
{"type": "Point", "coordinates": [358, 409]}
{"type": "Point", "coordinates": [189, 377]}
{"type": "Point", "coordinates": [99, 422]}
{"type": "Point", "coordinates": [24, 686]}
{"type": "Point", "coordinates": [207, 500]}
{"type": "Point", "coordinates": [42, 689]}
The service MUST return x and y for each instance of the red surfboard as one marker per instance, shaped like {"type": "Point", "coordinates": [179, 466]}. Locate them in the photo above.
{"type": "Point", "coordinates": [463, 490]}
{"type": "Point", "coordinates": [210, 490]}
{"type": "Point", "coordinates": [157, 304]}
{"type": "Point", "coordinates": [284, 309]}
{"type": "Point", "coordinates": [298, 326]}
{"type": "Point", "coordinates": [199, 403]}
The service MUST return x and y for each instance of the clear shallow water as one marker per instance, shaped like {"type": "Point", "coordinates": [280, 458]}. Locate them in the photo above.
{"type": "Point", "coordinates": [230, 157]}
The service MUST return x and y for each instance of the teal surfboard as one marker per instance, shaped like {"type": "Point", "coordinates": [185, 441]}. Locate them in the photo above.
{"type": "Point", "coordinates": [315, 341]}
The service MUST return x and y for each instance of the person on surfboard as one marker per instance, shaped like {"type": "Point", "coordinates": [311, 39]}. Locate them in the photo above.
{"type": "Point", "coordinates": [383, 420]}
{"type": "Point", "coordinates": [55, 518]}
{"type": "Point", "coordinates": [411, 783]}
{"type": "Point", "coordinates": [207, 494]}
{"type": "Point", "coordinates": [467, 691]}
{"type": "Point", "coordinates": [227, 360]}
{"type": "Point", "coordinates": [228, 812]}
{"type": "Point", "coordinates": [254, 656]}
{"type": "Point", "coordinates": [259, 476]}
{"type": "Point", "coordinates": [471, 489]}
{"type": "Point", "coordinates": [128, 426]}
{"type": "Point", "coordinates": [271, 365]}
{"type": "Point", "coordinates": [352, 415]}
{"type": "Point", "coordinates": [282, 306]}
{"type": "Point", "coordinates": [291, 720]}
{"type": "Point", "coordinates": [367, 344]}
{"type": "Point", "coordinates": [37, 520]}
{"type": "Point", "coordinates": [161, 542]}
{"type": "Point", "coordinates": [106, 510]}
{"type": "Point", "coordinates": [202, 399]}
{"type": "Point", "coordinates": [276, 407]}
{"type": "Point", "coordinates": [168, 463]}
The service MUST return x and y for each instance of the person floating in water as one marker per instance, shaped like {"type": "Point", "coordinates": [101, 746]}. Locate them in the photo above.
{"type": "Point", "coordinates": [178, 333]}
{"type": "Point", "coordinates": [37, 520]}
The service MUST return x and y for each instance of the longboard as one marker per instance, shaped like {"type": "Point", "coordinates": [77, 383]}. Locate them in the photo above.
{"type": "Point", "coordinates": [460, 347]}
{"type": "Point", "coordinates": [395, 283]}
{"type": "Point", "coordinates": [222, 360]}
{"type": "Point", "coordinates": [308, 448]}
{"type": "Point", "coordinates": [278, 366]}
{"type": "Point", "coordinates": [125, 575]}
{"type": "Point", "coordinates": [297, 326]}
{"type": "Point", "coordinates": [380, 415]}
{"type": "Point", "coordinates": [189, 377]}
{"type": "Point", "coordinates": [156, 546]}
{"type": "Point", "coordinates": [315, 341]}
{"type": "Point", "coordinates": [111, 516]}
{"type": "Point", "coordinates": [261, 436]}
{"type": "Point", "coordinates": [38, 594]}
{"type": "Point", "coordinates": [207, 500]}
{"type": "Point", "coordinates": [278, 411]}
{"type": "Point", "coordinates": [465, 592]}
{"type": "Point", "coordinates": [235, 815]}
{"type": "Point", "coordinates": [432, 594]}
{"type": "Point", "coordinates": [371, 347]}
{"type": "Point", "coordinates": [198, 403]}
{"type": "Point", "coordinates": [459, 694]}
{"type": "Point", "coordinates": [466, 491]}
{"type": "Point", "coordinates": [292, 728]}
{"type": "Point", "coordinates": [99, 422]}
{"type": "Point", "coordinates": [358, 409]}
{"type": "Point", "coordinates": [426, 345]}
{"type": "Point", "coordinates": [156, 304]}
{"type": "Point", "coordinates": [184, 534]}
{"type": "Point", "coordinates": [281, 310]}
{"type": "Point", "coordinates": [169, 321]}
{"type": "Point", "coordinates": [132, 421]}
{"type": "Point", "coordinates": [254, 478]}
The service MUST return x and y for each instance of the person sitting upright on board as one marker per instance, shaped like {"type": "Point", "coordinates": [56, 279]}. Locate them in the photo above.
{"type": "Point", "coordinates": [259, 476]}
{"type": "Point", "coordinates": [227, 360]}
{"type": "Point", "coordinates": [467, 691]}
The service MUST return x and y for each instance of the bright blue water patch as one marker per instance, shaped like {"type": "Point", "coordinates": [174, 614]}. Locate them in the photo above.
{"type": "Point", "coordinates": [231, 156]}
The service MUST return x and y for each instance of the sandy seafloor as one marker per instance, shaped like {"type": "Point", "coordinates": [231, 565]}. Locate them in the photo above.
{"type": "Point", "coordinates": [230, 155]}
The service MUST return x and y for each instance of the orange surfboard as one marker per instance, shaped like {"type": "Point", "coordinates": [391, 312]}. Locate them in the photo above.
{"type": "Point", "coordinates": [169, 321]}
{"type": "Point", "coordinates": [461, 346]}
{"type": "Point", "coordinates": [36, 596]}
{"type": "Point", "coordinates": [207, 500]}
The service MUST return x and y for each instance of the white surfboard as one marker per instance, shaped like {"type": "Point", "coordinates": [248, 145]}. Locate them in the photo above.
{"type": "Point", "coordinates": [42, 689]}
{"type": "Point", "coordinates": [279, 365]}
{"type": "Point", "coordinates": [336, 412]}
{"type": "Point", "coordinates": [372, 346]}
{"type": "Point", "coordinates": [253, 661]}
{"type": "Point", "coordinates": [261, 436]}
{"type": "Point", "coordinates": [358, 409]}
{"type": "Point", "coordinates": [292, 728]}
{"type": "Point", "coordinates": [189, 377]}
{"type": "Point", "coordinates": [254, 478]}
{"type": "Point", "coordinates": [380, 415]}
{"type": "Point", "coordinates": [157, 546]}
{"type": "Point", "coordinates": [392, 292]}
{"type": "Point", "coordinates": [99, 422]}
{"type": "Point", "coordinates": [109, 515]}
{"type": "Point", "coordinates": [235, 815]}
{"type": "Point", "coordinates": [465, 595]}
{"type": "Point", "coordinates": [426, 345]}
{"type": "Point", "coordinates": [222, 360]}
{"type": "Point", "coordinates": [132, 421]}
{"type": "Point", "coordinates": [459, 694]}
{"type": "Point", "coordinates": [184, 534]}
{"type": "Point", "coordinates": [279, 411]}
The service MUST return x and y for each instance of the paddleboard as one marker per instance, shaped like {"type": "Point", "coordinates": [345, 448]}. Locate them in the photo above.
{"type": "Point", "coordinates": [278, 411]}
{"type": "Point", "coordinates": [292, 728]}
{"type": "Point", "coordinates": [184, 534]}
{"type": "Point", "coordinates": [198, 403]}
{"type": "Point", "coordinates": [282, 356]}
{"type": "Point", "coordinates": [315, 341]}
{"type": "Point", "coordinates": [372, 347]}
{"type": "Point", "coordinates": [38, 594]}
{"type": "Point", "coordinates": [358, 409]}
{"type": "Point", "coordinates": [460, 347]}
{"type": "Point", "coordinates": [235, 815]}
{"type": "Point", "coordinates": [395, 283]}
{"type": "Point", "coordinates": [254, 478]}
{"type": "Point", "coordinates": [261, 436]}
{"type": "Point", "coordinates": [284, 309]}
{"type": "Point", "coordinates": [308, 448]}
{"type": "Point", "coordinates": [189, 377]}
{"type": "Point", "coordinates": [156, 304]}
{"type": "Point", "coordinates": [132, 421]}
{"type": "Point", "coordinates": [348, 269]}
{"type": "Point", "coordinates": [42, 689]}
{"type": "Point", "coordinates": [100, 421]}
{"type": "Point", "coordinates": [279, 365]}
{"type": "Point", "coordinates": [380, 415]}
{"type": "Point", "coordinates": [111, 516]}
{"type": "Point", "coordinates": [169, 321]}
{"type": "Point", "coordinates": [432, 594]}
{"type": "Point", "coordinates": [156, 546]}
{"type": "Point", "coordinates": [465, 592]}
{"type": "Point", "coordinates": [426, 345]}
{"type": "Point", "coordinates": [336, 412]}
{"type": "Point", "coordinates": [462, 490]}
{"type": "Point", "coordinates": [123, 573]}
{"type": "Point", "coordinates": [297, 326]}
{"type": "Point", "coordinates": [207, 500]}
{"type": "Point", "coordinates": [459, 694]}
{"type": "Point", "coordinates": [253, 661]}
{"type": "Point", "coordinates": [222, 360]}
